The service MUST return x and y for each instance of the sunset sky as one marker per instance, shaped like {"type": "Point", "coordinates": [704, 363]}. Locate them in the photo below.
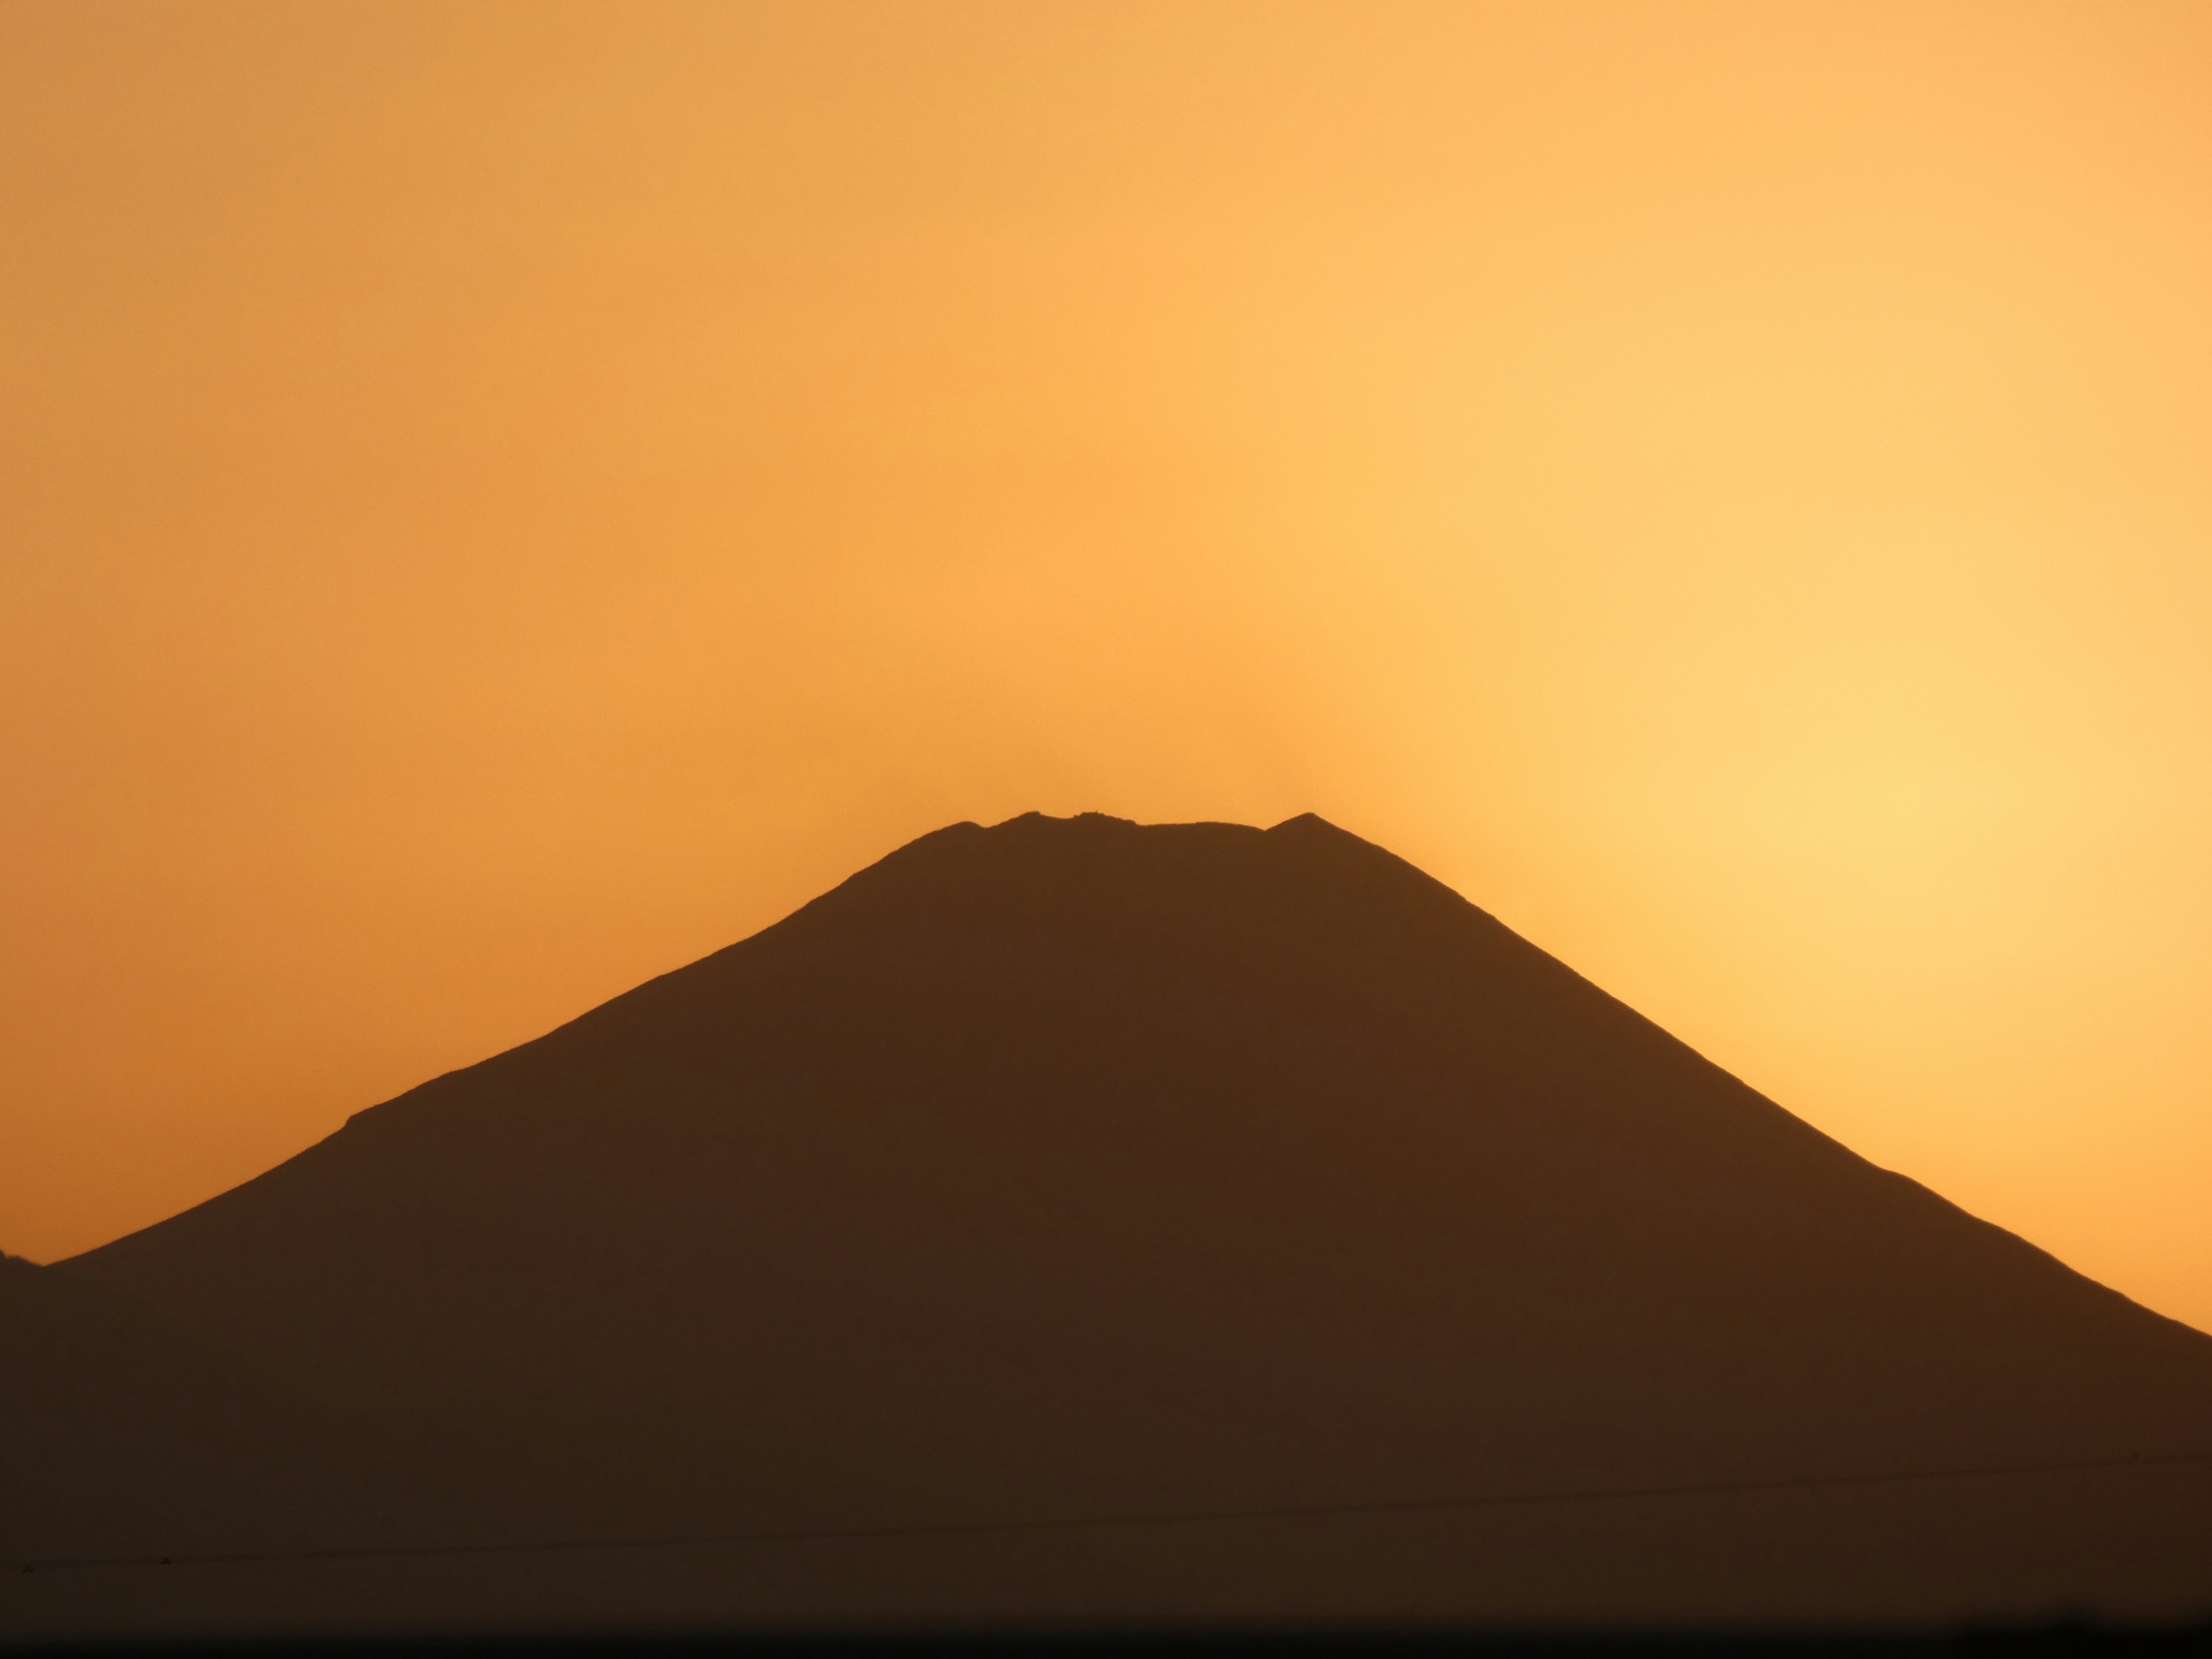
{"type": "Point", "coordinates": [498, 500]}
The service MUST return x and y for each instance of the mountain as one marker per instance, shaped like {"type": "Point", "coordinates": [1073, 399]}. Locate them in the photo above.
{"type": "Point", "coordinates": [1072, 1169]}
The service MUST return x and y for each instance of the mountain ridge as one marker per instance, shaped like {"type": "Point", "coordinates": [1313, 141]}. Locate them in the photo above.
{"type": "Point", "coordinates": [1305, 824]}
{"type": "Point", "coordinates": [1070, 1167]}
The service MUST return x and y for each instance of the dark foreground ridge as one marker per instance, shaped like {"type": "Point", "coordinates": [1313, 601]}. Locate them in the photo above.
{"type": "Point", "coordinates": [1078, 1223]}
{"type": "Point", "coordinates": [2056, 1641]}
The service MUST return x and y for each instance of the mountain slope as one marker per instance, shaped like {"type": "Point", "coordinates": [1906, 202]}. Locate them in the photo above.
{"type": "Point", "coordinates": [1071, 1167]}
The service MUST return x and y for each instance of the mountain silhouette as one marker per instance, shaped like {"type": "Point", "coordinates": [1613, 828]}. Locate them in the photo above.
{"type": "Point", "coordinates": [1072, 1169]}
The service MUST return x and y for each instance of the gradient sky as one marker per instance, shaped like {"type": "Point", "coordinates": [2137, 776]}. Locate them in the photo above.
{"type": "Point", "coordinates": [498, 500]}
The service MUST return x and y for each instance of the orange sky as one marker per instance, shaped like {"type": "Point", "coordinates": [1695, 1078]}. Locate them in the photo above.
{"type": "Point", "coordinates": [497, 501]}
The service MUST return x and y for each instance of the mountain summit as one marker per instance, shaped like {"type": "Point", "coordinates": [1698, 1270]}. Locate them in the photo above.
{"type": "Point", "coordinates": [1072, 1170]}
